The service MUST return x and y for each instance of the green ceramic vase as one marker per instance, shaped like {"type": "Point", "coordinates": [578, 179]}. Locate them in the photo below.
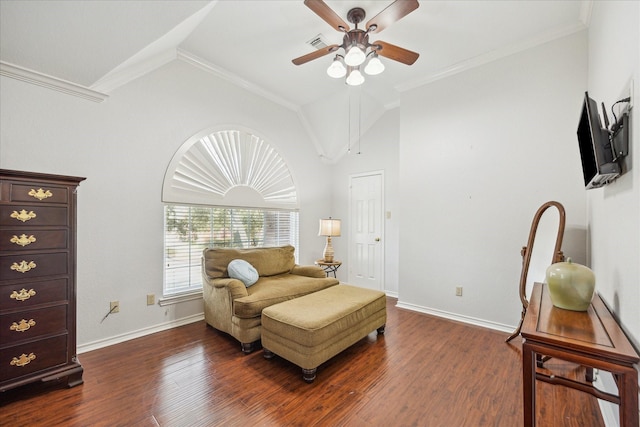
{"type": "Point", "coordinates": [571, 286]}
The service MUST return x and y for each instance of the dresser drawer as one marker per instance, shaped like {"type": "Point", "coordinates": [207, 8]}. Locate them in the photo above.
{"type": "Point", "coordinates": [28, 266]}
{"type": "Point", "coordinates": [37, 279]}
{"type": "Point", "coordinates": [23, 325]}
{"type": "Point", "coordinates": [24, 359]}
{"type": "Point", "coordinates": [29, 216]}
{"type": "Point", "coordinates": [38, 192]}
{"type": "Point", "coordinates": [26, 295]}
{"type": "Point", "coordinates": [16, 239]}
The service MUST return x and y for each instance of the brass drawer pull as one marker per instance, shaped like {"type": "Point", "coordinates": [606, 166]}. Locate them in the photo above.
{"type": "Point", "coordinates": [40, 194]}
{"type": "Point", "coordinates": [23, 240]}
{"type": "Point", "coordinates": [23, 215]}
{"type": "Point", "coordinates": [24, 266]}
{"type": "Point", "coordinates": [23, 359]}
{"type": "Point", "coordinates": [23, 295]}
{"type": "Point", "coordinates": [23, 326]}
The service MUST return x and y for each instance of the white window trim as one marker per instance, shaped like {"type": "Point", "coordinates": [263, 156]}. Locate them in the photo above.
{"type": "Point", "coordinates": [211, 166]}
{"type": "Point", "coordinates": [182, 274]}
{"type": "Point", "coordinates": [226, 166]}
{"type": "Point", "coordinates": [178, 298]}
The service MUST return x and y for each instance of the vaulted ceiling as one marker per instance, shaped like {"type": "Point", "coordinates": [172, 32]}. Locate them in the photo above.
{"type": "Point", "coordinates": [101, 45]}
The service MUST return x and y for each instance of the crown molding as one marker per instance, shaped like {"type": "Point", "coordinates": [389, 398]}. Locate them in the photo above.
{"type": "Point", "coordinates": [391, 105]}
{"type": "Point", "coordinates": [232, 78]}
{"type": "Point", "coordinates": [33, 77]}
{"type": "Point", "coordinates": [310, 133]}
{"type": "Point", "coordinates": [491, 57]}
{"type": "Point", "coordinates": [257, 90]}
{"type": "Point", "coordinates": [121, 77]}
{"type": "Point", "coordinates": [160, 52]}
{"type": "Point", "coordinates": [586, 8]}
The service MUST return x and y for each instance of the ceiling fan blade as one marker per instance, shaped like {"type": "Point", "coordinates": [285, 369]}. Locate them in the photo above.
{"type": "Point", "coordinates": [392, 13]}
{"type": "Point", "coordinates": [315, 55]}
{"type": "Point", "coordinates": [394, 52]}
{"type": "Point", "coordinates": [321, 9]}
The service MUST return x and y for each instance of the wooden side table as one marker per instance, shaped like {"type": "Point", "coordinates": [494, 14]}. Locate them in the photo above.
{"type": "Point", "coordinates": [589, 338]}
{"type": "Point", "coordinates": [329, 267]}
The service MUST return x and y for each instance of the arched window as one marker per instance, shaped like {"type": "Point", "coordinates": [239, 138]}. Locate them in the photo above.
{"type": "Point", "coordinates": [224, 188]}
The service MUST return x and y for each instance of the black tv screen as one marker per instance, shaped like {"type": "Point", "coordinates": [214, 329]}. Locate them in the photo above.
{"type": "Point", "coordinates": [598, 165]}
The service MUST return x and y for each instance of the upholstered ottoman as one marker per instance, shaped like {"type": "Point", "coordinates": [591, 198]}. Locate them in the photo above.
{"type": "Point", "coordinates": [311, 329]}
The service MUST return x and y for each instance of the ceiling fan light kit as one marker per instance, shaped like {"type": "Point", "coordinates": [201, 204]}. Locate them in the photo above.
{"type": "Point", "coordinates": [354, 77]}
{"type": "Point", "coordinates": [337, 69]}
{"type": "Point", "coordinates": [355, 56]}
{"type": "Point", "coordinates": [374, 66]}
{"type": "Point", "coordinates": [355, 43]}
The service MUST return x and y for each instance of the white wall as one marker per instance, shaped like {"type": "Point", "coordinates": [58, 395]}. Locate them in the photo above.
{"type": "Point", "coordinates": [614, 210]}
{"type": "Point", "coordinates": [479, 153]}
{"type": "Point", "coordinates": [467, 161]}
{"type": "Point", "coordinates": [123, 147]}
{"type": "Point", "coordinates": [378, 152]}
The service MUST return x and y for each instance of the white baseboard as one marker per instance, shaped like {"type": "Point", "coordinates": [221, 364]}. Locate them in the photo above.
{"type": "Point", "coordinates": [387, 293]}
{"type": "Point", "coordinates": [94, 345]}
{"type": "Point", "coordinates": [106, 342]}
{"type": "Point", "coordinates": [604, 380]}
{"type": "Point", "coordinates": [457, 317]}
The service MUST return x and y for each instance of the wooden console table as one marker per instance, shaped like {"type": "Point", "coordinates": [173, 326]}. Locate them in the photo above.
{"type": "Point", "coordinates": [592, 339]}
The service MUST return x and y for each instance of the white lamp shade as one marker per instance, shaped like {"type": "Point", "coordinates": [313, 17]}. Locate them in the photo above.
{"type": "Point", "coordinates": [374, 66]}
{"type": "Point", "coordinates": [336, 69]}
{"type": "Point", "coordinates": [329, 227]}
{"type": "Point", "coordinates": [355, 56]}
{"type": "Point", "coordinates": [355, 78]}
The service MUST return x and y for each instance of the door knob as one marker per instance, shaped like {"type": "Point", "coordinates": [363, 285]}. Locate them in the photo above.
{"type": "Point", "coordinates": [377, 239]}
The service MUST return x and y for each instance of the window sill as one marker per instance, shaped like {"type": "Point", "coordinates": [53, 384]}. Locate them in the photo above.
{"type": "Point", "coordinates": [176, 299]}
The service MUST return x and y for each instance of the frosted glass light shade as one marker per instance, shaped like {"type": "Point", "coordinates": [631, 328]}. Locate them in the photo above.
{"type": "Point", "coordinates": [355, 78]}
{"type": "Point", "coordinates": [374, 66]}
{"type": "Point", "coordinates": [355, 56]}
{"type": "Point", "coordinates": [336, 69]}
{"type": "Point", "coordinates": [329, 227]}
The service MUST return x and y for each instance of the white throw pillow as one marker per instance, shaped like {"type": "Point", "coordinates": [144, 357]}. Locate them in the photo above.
{"type": "Point", "coordinates": [243, 271]}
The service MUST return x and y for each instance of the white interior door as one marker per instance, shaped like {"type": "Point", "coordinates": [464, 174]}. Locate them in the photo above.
{"type": "Point", "coordinates": [366, 230]}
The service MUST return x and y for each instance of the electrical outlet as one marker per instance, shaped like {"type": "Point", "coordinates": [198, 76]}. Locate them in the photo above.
{"type": "Point", "coordinates": [114, 307]}
{"type": "Point", "coordinates": [458, 291]}
{"type": "Point", "coordinates": [151, 299]}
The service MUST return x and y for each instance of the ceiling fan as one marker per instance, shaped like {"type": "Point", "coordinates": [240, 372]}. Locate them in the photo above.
{"type": "Point", "coordinates": [356, 41]}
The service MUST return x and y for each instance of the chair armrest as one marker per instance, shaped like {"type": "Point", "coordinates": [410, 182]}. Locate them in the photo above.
{"type": "Point", "coordinates": [235, 287]}
{"type": "Point", "coordinates": [309, 271]}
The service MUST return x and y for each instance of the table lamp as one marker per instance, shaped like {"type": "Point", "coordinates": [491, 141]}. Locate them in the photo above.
{"type": "Point", "coordinates": [330, 228]}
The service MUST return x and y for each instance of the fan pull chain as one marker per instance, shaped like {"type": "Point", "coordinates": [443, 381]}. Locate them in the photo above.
{"type": "Point", "coordinates": [349, 136]}
{"type": "Point", "coordinates": [359, 117]}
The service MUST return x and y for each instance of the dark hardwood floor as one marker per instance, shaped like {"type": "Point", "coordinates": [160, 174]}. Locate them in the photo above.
{"type": "Point", "coordinates": [424, 371]}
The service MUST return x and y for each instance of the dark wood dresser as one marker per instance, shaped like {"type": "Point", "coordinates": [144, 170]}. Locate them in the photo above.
{"type": "Point", "coordinates": [37, 279]}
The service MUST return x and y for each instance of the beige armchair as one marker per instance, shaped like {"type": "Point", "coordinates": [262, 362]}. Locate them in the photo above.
{"type": "Point", "coordinates": [234, 308]}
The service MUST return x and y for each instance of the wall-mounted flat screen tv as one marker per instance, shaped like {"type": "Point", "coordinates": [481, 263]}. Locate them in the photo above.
{"type": "Point", "coordinates": [598, 164]}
